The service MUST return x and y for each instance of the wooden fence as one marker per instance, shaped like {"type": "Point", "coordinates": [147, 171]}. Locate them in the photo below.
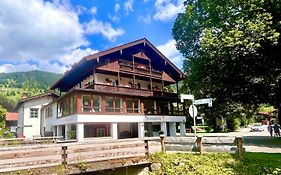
{"type": "Point", "coordinates": [28, 141]}
{"type": "Point", "coordinates": [27, 157]}
{"type": "Point", "coordinates": [52, 155]}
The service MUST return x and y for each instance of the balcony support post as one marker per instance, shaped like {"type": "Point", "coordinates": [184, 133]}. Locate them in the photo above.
{"type": "Point", "coordinates": [182, 129]}
{"type": "Point", "coordinates": [173, 129]}
{"type": "Point", "coordinates": [141, 129]}
{"type": "Point", "coordinates": [164, 128]}
{"type": "Point", "coordinates": [80, 132]}
{"type": "Point", "coordinates": [66, 131]}
{"type": "Point", "coordinates": [114, 130]}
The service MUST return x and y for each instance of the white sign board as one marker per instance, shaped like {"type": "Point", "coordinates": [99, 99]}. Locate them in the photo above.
{"type": "Point", "coordinates": [193, 111]}
{"type": "Point", "coordinates": [203, 101]}
{"type": "Point", "coordinates": [186, 97]}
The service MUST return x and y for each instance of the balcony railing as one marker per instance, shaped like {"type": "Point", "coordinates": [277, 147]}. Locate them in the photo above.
{"type": "Point", "coordinates": [130, 91]}
{"type": "Point", "coordinates": [128, 66]}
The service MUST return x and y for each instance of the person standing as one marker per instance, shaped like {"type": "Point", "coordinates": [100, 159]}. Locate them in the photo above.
{"type": "Point", "coordinates": [276, 128]}
{"type": "Point", "coordinates": [270, 129]}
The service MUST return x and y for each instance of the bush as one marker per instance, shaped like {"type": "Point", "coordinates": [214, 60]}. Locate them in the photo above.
{"type": "Point", "coordinates": [71, 134]}
{"type": "Point", "coordinates": [217, 164]}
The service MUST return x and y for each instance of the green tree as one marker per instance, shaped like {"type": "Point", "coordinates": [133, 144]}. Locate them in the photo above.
{"type": "Point", "coordinates": [232, 51]}
{"type": "Point", "coordinates": [2, 117]}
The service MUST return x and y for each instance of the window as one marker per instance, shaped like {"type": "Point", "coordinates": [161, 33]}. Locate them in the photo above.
{"type": "Point", "coordinates": [91, 103]}
{"type": "Point", "coordinates": [96, 103]}
{"type": "Point", "coordinates": [34, 112]}
{"type": "Point", "coordinates": [148, 106]}
{"type": "Point", "coordinates": [65, 110]}
{"type": "Point", "coordinates": [72, 105]}
{"type": "Point", "coordinates": [113, 104]}
{"type": "Point", "coordinates": [133, 105]}
{"type": "Point", "coordinates": [109, 104]}
{"type": "Point", "coordinates": [86, 103]}
{"type": "Point", "coordinates": [164, 107]}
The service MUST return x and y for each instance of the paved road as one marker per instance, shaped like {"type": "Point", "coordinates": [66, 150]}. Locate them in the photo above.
{"type": "Point", "coordinates": [261, 142]}
{"type": "Point", "coordinates": [254, 141]}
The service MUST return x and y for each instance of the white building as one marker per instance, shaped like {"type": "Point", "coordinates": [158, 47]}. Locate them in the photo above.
{"type": "Point", "coordinates": [29, 114]}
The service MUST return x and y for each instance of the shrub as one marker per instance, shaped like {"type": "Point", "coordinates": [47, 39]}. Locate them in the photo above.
{"type": "Point", "coordinates": [71, 134]}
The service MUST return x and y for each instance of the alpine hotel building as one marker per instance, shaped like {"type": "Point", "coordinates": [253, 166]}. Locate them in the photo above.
{"type": "Point", "coordinates": [117, 93]}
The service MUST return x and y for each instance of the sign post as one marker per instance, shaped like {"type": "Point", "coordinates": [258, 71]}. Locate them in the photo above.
{"type": "Point", "coordinates": [193, 113]}
{"type": "Point", "coordinates": [192, 108]}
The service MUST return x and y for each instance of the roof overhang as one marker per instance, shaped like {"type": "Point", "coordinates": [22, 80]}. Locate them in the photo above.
{"type": "Point", "coordinates": [86, 65]}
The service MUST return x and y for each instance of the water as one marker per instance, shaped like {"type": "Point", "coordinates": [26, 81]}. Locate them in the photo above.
{"type": "Point", "coordinates": [131, 170]}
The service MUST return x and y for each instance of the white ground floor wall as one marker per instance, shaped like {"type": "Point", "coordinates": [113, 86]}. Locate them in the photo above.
{"type": "Point", "coordinates": [117, 126]}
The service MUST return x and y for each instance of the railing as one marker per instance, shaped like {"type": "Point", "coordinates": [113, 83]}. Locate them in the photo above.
{"type": "Point", "coordinates": [139, 69]}
{"type": "Point", "coordinates": [13, 142]}
{"type": "Point", "coordinates": [130, 91]}
{"type": "Point", "coordinates": [76, 157]}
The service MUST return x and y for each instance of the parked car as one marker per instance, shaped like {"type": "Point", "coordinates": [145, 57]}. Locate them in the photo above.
{"type": "Point", "coordinates": [257, 127]}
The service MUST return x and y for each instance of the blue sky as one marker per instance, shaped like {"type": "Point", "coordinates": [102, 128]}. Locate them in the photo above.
{"type": "Point", "coordinates": [53, 35]}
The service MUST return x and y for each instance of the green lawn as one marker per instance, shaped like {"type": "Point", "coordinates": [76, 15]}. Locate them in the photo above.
{"type": "Point", "coordinates": [218, 164]}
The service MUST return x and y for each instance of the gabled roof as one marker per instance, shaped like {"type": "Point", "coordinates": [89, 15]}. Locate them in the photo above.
{"type": "Point", "coordinates": [35, 97]}
{"type": "Point", "coordinates": [12, 116]}
{"type": "Point", "coordinates": [85, 66]}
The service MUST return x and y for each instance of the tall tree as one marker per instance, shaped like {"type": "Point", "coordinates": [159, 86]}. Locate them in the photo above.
{"type": "Point", "coordinates": [232, 51]}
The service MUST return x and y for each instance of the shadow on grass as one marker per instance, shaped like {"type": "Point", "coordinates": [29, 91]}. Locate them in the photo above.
{"type": "Point", "coordinates": [257, 164]}
{"type": "Point", "coordinates": [264, 141]}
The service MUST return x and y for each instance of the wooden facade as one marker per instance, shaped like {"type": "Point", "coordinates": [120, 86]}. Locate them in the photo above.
{"type": "Point", "coordinates": [112, 93]}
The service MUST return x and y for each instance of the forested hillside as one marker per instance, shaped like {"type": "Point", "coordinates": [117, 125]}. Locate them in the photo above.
{"type": "Point", "coordinates": [13, 85]}
{"type": "Point", "coordinates": [18, 79]}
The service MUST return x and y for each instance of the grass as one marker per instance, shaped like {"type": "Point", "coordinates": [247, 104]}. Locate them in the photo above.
{"type": "Point", "coordinates": [218, 164]}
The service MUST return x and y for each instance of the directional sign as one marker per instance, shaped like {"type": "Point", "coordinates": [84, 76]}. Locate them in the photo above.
{"type": "Point", "coordinates": [203, 101]}
{"type": "Point", "coordinates": [186, 97]}
{"type": "Point", "coordinates": [193, 111]}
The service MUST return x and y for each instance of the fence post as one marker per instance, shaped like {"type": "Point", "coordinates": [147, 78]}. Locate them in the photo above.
{"type": "Point", "coordinates": [64, 155]}
{"type": "Point", "coordinates": [199, 141]}
{"type": "Point", "coordinates": [239, 142]}
{"type": "Point", "coordinates": [146, 149]}
{"type": "Point", "coordinates": [162, 136]}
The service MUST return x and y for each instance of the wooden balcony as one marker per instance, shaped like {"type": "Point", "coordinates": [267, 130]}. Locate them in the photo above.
{"type": "Point", "coordinates": [130, 91]}
{"type": "Point", "coordinates": [128, 66]}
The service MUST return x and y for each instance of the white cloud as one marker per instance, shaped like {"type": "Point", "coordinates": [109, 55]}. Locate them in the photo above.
{"type": "Point", "coordinates": [116, 17]}
{"type": "Point", "coordinates": [170, 51]}
{"type": "Point", "coordinates": [76, 55]}
{"type": "Point", "coordinates": [20, 67]}
{"type": "Point", "coordinates": [38, 29]}
{"type": "Point", "coordinates": [128, 6]}
{"type": "Point", "coordinates": [116, 7]}
{"type": "Point", "coordinates": [146, 19]}
{"type": "Point", "coordinates": [168, 9]}
{"type": "Point", "coordinates": [64, 63]}
{"type": "Point", "coordinates": [99, 27]}
{"type": "Point", "coordinates": [94, 10]}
